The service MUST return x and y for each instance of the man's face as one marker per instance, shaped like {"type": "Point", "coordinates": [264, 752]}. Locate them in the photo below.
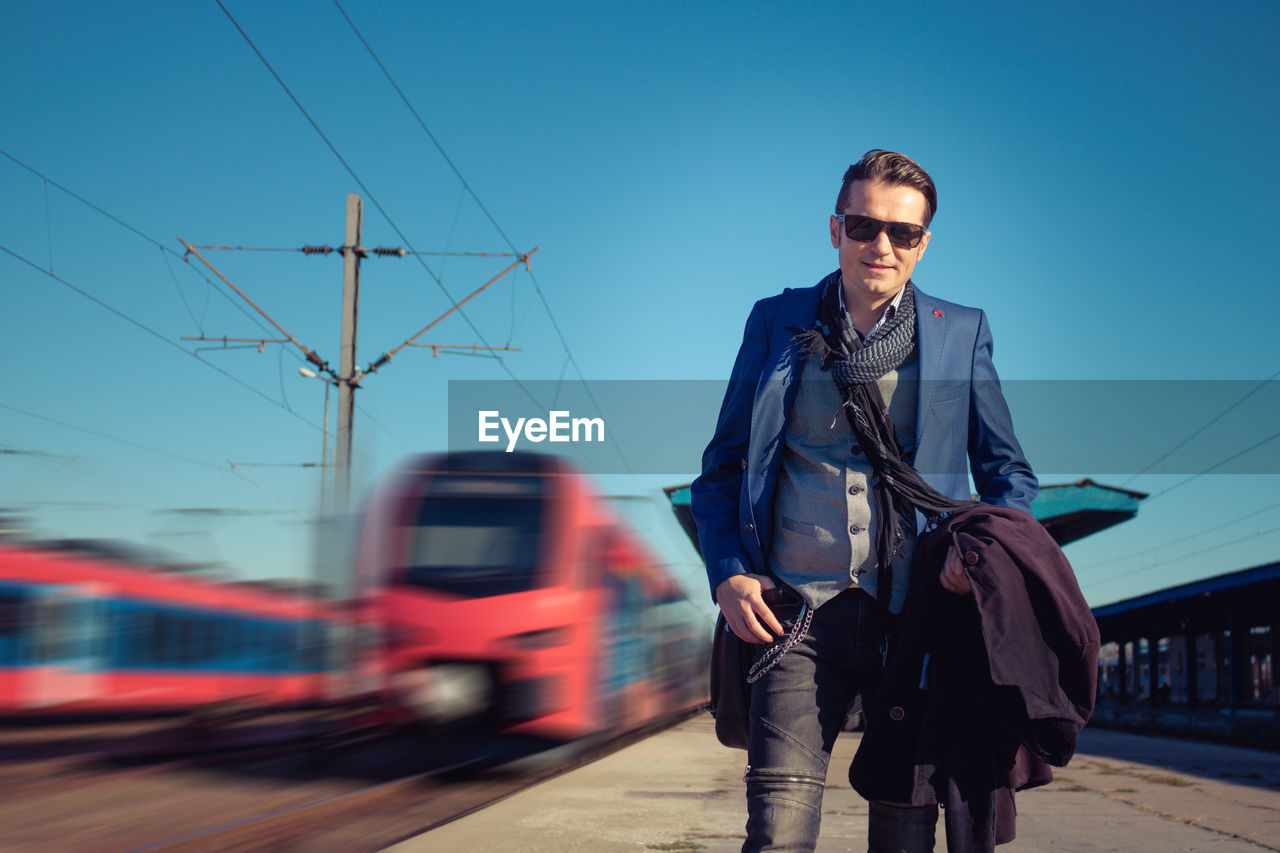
{"type": "Point", "coordinates": [876, 270]}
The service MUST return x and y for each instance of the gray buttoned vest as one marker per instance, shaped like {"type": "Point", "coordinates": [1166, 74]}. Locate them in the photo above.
{"type": "Point", "coordinates": [822, 520]}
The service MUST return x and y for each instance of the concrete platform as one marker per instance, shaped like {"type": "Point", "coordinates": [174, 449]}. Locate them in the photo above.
{"type": "Point", "coordinates": [681, 791]}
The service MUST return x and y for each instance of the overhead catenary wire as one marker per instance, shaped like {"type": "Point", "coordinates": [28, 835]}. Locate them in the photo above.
{"type": "Point", "coordinates": [1218, 464]}
{"type": "Point", "coordinates": [48, 222]}
{"type": "Point", "coordinates": [555, 325]}
{"type": "Point", "coordinates": [178, 287]}
{"type": "Point", "coordinates": [373, 199]}
{"type": "Point", "coordinates": [334, 150]}
{"type": "Point", "coordinates": [456, 171]}
{"type": "Point", "coordinates": [239, 471]}
{"type": "Point", "coordinates": [166, 253]}
{"type": "Point", "coordinates": [440, 148]}
{"type": "Point", "coordinates": [1205, 472]}
{"type": "Point", "coordinates": [1204, 427]}
{"type": "Point", "coordinates": [134, 229]}
{"type": "Point", "coordinates": [1163, 545]}
{"type": "Point", "coordinates": [122, 315]}
{"type": "Point", "coordinates": [115, 438]}
{"type": "Point", "coordinates": [1180, 557]}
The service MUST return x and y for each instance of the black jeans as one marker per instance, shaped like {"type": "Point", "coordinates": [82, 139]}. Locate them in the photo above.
{"type": "Point", "coordinates": [798, 708]}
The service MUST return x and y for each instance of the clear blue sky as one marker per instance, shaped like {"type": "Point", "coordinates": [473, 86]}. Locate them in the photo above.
{"type": "Point", "coordinates": [1108, 193]}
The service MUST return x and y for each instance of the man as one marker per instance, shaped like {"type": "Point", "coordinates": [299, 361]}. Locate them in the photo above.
{"type": "Point", "coordinates": [796, 522]}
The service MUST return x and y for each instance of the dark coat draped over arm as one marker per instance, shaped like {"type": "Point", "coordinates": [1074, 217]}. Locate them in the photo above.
{"type": "Point", "coordinates": [983, 692]}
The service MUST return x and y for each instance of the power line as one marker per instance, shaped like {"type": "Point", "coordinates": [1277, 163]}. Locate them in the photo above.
{"type": "Point", "coordinates": [1213, 421]}
{"type": "Point", "coordinates": [424, 127]}
{"type": "Point", "coordinates": [333, 149]}
{"type": "Point", "coordinates": [1188, 538]}
{"type": "Point", "coordinates": [116, 219]}
{"type": "Point", "coordinates": [86, 201]}
{"type": "Point", "coordinates": [1210, 469]}
{"type": "Point", "coordinates": [457, 172]}
{"type": "Point", "coordinates": [273, 495]}
{"type": "Point", "coordinates": [115, 438]}
{"type": "Point", "coordinates": [178, 287]}
{"type": "Point", "coordinates": [153, 333]}
{"type": "Point", "coordinates": [1181, 557]}
{"type": "Point", "coordinates": [368, 193]}
{"type": "Point", "coordinates": [383, 427]}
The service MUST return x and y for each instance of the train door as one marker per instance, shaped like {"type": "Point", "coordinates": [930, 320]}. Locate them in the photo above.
{"type": "Point", "coordinates": [64, 624]}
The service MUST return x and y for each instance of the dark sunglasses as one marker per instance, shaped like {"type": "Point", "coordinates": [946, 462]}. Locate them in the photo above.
{"type": "Point", "coordinates": [864, 229]}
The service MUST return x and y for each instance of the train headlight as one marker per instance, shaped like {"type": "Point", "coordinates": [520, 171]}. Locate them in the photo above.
{"type": "Point", "coordinates": [446, 693]}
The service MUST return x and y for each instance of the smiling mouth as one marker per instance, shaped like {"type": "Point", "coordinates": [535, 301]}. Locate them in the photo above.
{"type": "Point", "coordinates": [877, 266]}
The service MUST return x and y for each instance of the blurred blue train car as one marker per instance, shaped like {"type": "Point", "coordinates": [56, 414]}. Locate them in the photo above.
{"type": "Point", "coordinates": [85, 633]}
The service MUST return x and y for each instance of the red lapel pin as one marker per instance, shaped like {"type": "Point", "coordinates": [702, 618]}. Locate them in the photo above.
{"type": "Point", "coordinates": [937, 312]}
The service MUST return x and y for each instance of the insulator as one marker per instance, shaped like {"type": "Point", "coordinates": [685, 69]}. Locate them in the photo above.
{"type": "Point", "coordinates": [387, 251]}
{"type": "Point", "coordinates": [383, 359]}
{"type": "Point", "coordinates": [317, 250]}
{"type": "Point", "coordinates": [316, 360]}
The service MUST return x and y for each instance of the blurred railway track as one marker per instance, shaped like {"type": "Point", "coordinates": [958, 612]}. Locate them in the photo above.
{"type": "Point", "coordinates": [355, 787]}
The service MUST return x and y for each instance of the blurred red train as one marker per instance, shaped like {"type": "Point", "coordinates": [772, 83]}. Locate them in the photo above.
{"type": "Point", "coordinates": [92, 632]}
{"type": "Point", "coordinates": [512, 598]}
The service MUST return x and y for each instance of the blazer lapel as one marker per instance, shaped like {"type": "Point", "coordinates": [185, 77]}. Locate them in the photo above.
{"type": "Point", "coordinates": [775, 394]}
{"type": "Point", "coordinates": [931, 338]}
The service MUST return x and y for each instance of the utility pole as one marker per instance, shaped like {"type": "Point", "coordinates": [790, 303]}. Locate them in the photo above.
{"type": "Point", "coordinates": [352, 253]}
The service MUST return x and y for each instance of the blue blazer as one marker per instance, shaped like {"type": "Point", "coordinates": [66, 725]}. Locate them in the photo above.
{"type": "Point", "coordinates": [962, 425]}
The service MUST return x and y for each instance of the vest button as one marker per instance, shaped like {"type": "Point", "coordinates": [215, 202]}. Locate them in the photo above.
{"type": "Point", "coordinates": [855, 529]}
{"type": "Point", "coordinates": [855, 490]}
{"type": "Point", "coordinates": [971, 557]}
{"type": "Point", "coordinates": [897, 714]}
{"type": "Point", "coordinates": [856, 449]}
{"type": "Point", "coordinates": [750, 526]}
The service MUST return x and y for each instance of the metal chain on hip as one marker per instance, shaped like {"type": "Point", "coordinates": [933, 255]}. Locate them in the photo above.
{"type": "Point", "coordinates": [774, 653]}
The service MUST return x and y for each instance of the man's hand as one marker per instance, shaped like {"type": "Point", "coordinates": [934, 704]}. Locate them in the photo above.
{"type": "Point", "coordinates": [744, 608]}
{"type": "Point", "coordinates": [952, 576]}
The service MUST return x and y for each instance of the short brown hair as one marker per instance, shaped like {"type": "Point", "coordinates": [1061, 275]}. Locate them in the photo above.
{"type": "Point", "coordinates": [894, 169]}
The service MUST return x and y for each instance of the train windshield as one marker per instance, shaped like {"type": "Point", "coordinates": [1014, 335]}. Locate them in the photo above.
{"type": "Point", "coordinates": [475, 547]}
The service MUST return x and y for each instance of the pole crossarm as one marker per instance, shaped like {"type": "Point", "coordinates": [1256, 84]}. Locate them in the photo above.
{"type": "Point", "coordinates": [474, 348]}
{"type": "Point", "coordinates": [311, 356]}
{"type": "Point", "coordinates": [386, 357]}
{"type": "Point", "coordinates": [377, 251]}
{"type": "Point", "coordinates": [276, 465]}
{"type": "Point", "coordinates": [224, 340]}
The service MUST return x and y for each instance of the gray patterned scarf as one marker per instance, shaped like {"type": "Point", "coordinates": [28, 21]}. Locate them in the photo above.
{"type": "Point", "coordinates": [855, 365]}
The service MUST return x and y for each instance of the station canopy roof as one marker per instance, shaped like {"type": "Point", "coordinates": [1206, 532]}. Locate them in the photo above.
{"type": "Point", "coordinates": [1248, 596]}
{"type": "Point", "coordinates": [1069, 511]}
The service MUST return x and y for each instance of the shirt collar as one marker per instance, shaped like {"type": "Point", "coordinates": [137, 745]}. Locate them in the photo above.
{"type": "Point", "coordinates": [889, 311]}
